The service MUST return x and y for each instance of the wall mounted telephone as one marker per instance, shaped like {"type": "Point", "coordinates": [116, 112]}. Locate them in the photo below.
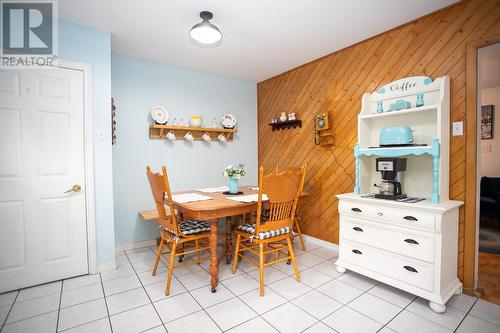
{"type": "Point", "coordinates": [323, 133]}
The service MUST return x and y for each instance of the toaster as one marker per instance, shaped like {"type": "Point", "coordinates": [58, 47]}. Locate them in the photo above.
{"type": "Point", "coordinates": [396, 136]}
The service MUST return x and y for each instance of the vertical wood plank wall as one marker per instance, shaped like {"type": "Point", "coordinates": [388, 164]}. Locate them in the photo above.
{"type": "Point", "coordinates": [433, 46]}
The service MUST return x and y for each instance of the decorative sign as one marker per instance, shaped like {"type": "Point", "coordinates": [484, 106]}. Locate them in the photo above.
{"type": "Point", "coordinates": [405, 86]}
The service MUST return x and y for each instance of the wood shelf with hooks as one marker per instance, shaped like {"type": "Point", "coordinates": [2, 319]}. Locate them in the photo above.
{"type": "Point", "coordinates": [160, 132]}
{"type": "Point", "coordinates": [286, 124]}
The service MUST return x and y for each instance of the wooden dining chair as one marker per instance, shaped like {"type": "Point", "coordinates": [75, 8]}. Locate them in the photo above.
{"type": "Point", "coordinates": [296, 222]}
{"type": "Point", "coordinates": [283, 190]}
{"type": "Point", "coordinates": [173, 233]}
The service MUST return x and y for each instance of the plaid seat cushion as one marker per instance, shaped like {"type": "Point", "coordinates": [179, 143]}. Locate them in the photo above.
{"type": "Point", "coordinates": [250, 228]}
{"type": "Point", "coordinates": [191, 227]}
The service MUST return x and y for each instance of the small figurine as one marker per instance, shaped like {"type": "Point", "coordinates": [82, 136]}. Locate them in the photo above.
{"type": "Point", "coordinates": [380, 106]}
{"type": "Point", "coordinates": [214, 123]}
{"type": "Point", "coordinates": [291, 116]}
{"type": "Point", "coordinates": [283, 116]}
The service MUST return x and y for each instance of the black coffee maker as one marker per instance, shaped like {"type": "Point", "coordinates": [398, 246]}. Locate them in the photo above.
{"type": "Point", "coordinates": [391, 169]}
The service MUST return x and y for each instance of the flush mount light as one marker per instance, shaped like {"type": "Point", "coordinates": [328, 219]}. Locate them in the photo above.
{"type": "Point", "coordinates": [205, 33]}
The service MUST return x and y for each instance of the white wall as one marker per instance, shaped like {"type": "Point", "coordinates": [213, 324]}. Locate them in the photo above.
{"type": "Point", "coordinates": [490, 161]}
{"type": "Point", "coordinates": [138, 85]}
{"type": "Point", "coordinates": [91, 46]}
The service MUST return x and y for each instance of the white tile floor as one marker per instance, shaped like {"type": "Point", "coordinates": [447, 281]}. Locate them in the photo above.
{"type": "Point", "coordinates": [131, 300]}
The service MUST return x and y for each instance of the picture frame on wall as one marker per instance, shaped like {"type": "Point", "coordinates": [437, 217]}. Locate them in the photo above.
{"type": "Point", "coordinates": [487, 117]}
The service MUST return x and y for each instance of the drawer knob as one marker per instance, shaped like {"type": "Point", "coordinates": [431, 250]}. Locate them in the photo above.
{"type": "Point", "coordinates": [410, 269]}
{"type": "Point", "coordinates": [358, 229]}
{"type": "Point", "coordinates": [357, 251]}
{"type": "Point", "coordinates": [380, 213]}
{"type": "Point", "coordinates": [355, 209]}
{"type": "Point", "coordinates": [410, 218]}
{"type": "Point", "coordinates": [411, 241]}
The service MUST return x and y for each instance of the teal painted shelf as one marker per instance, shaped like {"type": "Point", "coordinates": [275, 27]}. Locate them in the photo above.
{"type": "Point", "coordinates": [396, 151]}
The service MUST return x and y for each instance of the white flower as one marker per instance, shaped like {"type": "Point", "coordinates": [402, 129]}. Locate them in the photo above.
{"type": "Point", "coordinates": [237, 176]}
{"type": "Point", "coordinates": [225, 173]}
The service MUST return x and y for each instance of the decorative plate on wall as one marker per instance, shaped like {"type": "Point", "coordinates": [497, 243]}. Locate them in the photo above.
{"type": "Point", "coordinates": [159, 114]}
{"type": "Point", "coordinates": [228, 120]}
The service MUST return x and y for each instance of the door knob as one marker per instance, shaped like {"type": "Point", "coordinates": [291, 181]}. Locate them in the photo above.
{"type": "Point", "coordinates": [75, 188]}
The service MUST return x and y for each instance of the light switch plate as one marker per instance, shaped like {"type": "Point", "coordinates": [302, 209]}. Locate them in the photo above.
{"type": "Point", "coordinates": [458, 128]}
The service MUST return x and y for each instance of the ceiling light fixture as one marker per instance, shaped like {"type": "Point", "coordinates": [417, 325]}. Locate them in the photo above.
{"type": "Point", "coordinates": [205, 32]}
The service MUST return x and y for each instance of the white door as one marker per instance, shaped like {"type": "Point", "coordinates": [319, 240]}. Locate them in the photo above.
{"type": "Point", "coordinates": [43, 235]}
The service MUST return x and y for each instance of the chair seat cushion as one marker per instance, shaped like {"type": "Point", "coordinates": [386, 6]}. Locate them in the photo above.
{"type": "Point", "coordinates": [191, 227]}
{"type": "Point", "coordinates": [250, 228]}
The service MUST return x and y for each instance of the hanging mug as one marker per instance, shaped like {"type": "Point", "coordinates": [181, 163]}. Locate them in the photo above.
{"type": "Point", "coordinates": [171, 136]}
{"type": "Point", "coordinates": [206, 137]}
{"type": "Point", "coordinates": [222, 138]}
{"type": "Point", "coordinates": [189, 137]}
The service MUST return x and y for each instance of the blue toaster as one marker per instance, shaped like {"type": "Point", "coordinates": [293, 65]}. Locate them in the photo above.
{"type": "Point", "coordinates": [396, 136]}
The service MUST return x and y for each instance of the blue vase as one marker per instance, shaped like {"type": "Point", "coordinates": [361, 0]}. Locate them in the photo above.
{"type": "Point", "coordinates": [233, 185]}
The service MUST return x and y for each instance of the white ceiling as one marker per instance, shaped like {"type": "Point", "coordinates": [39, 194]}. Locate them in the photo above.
{"type": "Point", "coordinates": [262, 38]}
{"type": "Point", "coordinates": [489, 58]}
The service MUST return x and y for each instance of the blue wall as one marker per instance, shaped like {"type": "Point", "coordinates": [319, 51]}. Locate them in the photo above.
{"type": "Point", "coordinates": [90, 46]}
{"type": "Point", "coordinates": [137, 86]}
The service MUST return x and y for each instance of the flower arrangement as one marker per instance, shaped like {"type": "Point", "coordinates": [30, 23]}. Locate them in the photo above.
{"type": "Point", "coordinates": [235, 171]}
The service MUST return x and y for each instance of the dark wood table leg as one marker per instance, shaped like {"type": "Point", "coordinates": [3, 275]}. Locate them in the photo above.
{"type": "Point", "coordinates": [229, 238]}
{"type": "Point", "coordinates": [214, 263]}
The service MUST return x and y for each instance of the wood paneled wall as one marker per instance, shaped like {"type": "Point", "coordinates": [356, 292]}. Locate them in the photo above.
{"type": "Point", "coordinates": [434, 45]}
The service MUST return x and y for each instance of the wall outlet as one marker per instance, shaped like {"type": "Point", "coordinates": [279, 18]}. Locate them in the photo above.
{"type": "Point", "coordinates": [458, 128]}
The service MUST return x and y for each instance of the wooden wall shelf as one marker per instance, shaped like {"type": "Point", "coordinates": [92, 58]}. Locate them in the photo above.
{"type": "Point", "coordinates": [160, 132]}
{"type": "Point", "coordinates": [286, 124]}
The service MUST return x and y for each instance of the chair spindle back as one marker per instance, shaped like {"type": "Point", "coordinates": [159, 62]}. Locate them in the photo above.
{"type": "Point", "coordinates": [162, 196]}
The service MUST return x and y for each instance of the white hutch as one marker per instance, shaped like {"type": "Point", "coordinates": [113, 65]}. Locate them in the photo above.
{"type": "Point", "coordinates": [411, 246]}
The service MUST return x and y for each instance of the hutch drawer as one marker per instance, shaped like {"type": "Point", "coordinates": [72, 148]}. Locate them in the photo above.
{"type": "Point", "coordinates": [402, 217]}
{"type": "Point", "coordinates": [412, 244]}
{"type": "Point", "coordinates": [407, 270]}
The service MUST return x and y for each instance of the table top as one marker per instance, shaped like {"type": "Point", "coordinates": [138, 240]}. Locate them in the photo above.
{"type": "Point", "coordinates": [219, 206]}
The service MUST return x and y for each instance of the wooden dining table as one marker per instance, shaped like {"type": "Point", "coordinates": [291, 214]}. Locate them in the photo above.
{"type": "Point", "coordinates": [211, 210]}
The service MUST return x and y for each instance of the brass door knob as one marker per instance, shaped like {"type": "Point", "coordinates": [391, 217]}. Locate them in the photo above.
{"type": "Point", "coordinates": [75, 188]}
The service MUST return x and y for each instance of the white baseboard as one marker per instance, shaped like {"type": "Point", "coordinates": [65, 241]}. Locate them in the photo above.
{"type": "Point", "coordinates": [136, 245]}
{"type": "Point", "coordinates": [111, 266]}
{"type": "Point", "coordinates": [317, 241]}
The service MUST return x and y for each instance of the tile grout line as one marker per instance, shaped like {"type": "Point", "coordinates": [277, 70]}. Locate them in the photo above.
{"type": "Point", "coordinates": [466, 314]}
{"type": "Point", "coordinates": [144, 289]}
{"type": "Point", "coordinates": [59, 308]}
{"type": "Point", "coordinates": [10, 310]}
{"type": "Point", "coordinates": [106, 303]}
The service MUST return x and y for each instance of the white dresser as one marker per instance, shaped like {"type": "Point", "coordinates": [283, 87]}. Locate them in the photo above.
{"type": "Point", "coordinates": [411, 246]}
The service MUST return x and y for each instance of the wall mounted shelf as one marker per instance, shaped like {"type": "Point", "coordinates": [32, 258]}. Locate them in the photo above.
{"type": "Point", "coordinates": [160, 132]}
{"type": "Point", "coordinates": [286, 124]}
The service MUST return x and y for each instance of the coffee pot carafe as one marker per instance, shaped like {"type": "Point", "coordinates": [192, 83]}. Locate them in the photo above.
{"type": "Point", "coordinates": [391, 170]}
{"type": "Point", "coordinates": [389, 188]}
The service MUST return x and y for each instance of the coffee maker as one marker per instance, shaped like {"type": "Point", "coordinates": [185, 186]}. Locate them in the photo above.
{"type": "Point", "coordinates": [391, 169]}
